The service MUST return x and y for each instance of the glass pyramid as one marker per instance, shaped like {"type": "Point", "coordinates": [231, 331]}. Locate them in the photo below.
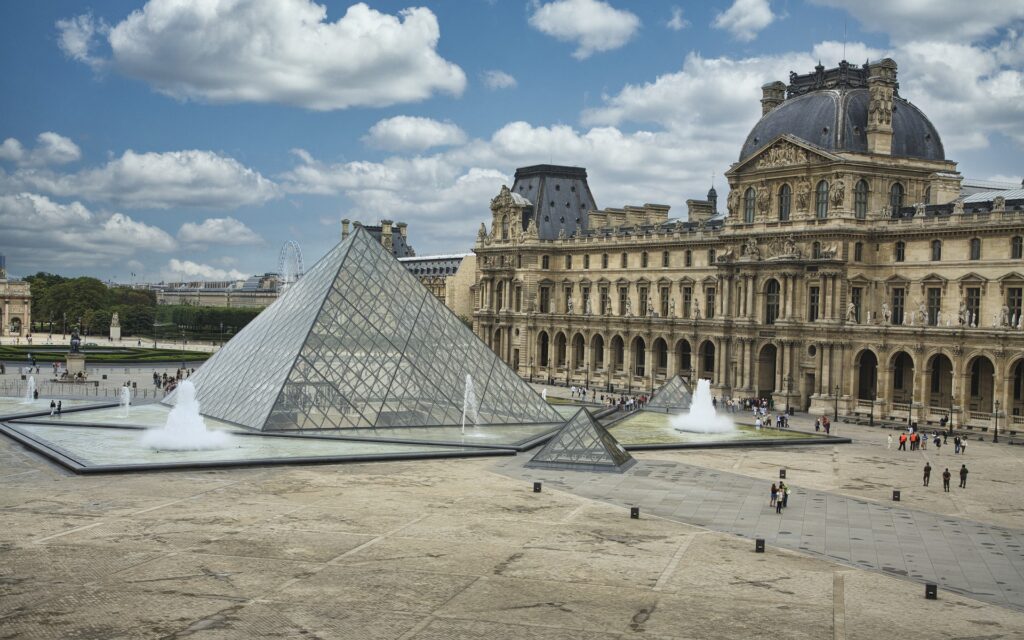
{"type": "Point", "coordinates": [358, 342]}
{"type": "Point", "coordinates": [583, 444]}
{"type": "Point", "coordinates": [671, 396]}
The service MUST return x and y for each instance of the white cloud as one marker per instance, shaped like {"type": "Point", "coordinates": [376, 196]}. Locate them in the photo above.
{"type": "Point", "coordinates": [77, 37]}
{"type": "Point", "coordinates": [51, 148]}
{"type": "Point", "coordinates": [413, 133]}
{"type": "Point", "coordinates": [275, 51]}
{"type": "Point", "coordinates": [218, 231]}
{"type": "Point", "coordinates": [191, 178]}
{"type": "Point", "coordinates": [496, 79]}
{"type": "Point", "coordinates": [37, 230]}
{"type": "Point", "coordinates": [677, 22]}
{"type": "Point", "coordinates": [593, 25]}
{"type": "Point", "coordinates": [932, 19]}
{"type": "Point", "coordinates": [178, 270]}
{"type": "Point", "coordinates": [745, 19]}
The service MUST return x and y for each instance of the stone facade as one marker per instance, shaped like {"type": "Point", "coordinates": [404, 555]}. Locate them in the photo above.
{"type": "Point", "coordinates": [16, 296]}
{"type": "Point", "coordinates": [839, 278]}
{"type": "Point", "coordinates": [449, 278]}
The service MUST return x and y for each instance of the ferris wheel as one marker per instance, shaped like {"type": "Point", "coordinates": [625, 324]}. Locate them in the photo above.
{"type": "Point", "coordinates": [289, 263]}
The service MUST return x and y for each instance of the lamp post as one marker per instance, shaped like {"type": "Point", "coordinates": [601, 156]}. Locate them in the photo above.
{"type": "Point", "coordinates": [995, 430]}
{"type": "Point", "coordinates": [789, 390]}
{"type": "Point", "coordinates": [835, 414]}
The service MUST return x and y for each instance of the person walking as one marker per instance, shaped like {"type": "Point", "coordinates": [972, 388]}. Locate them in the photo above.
{"type": "Point", "coordinates": [60, 407]}
{"type": "Point", "coordinates": [927, 472]}
{"type": "Point", "coordinates": [817, 424]}
{"type": "Point", "coordinates": [903, 442]}
{"type": "Point", "coordinates": [963, 476]}
{"type": "Point", "coordinates": [780, 502]}
{"type": "Point", "coordinates": [938, 445]}
{"type": "Point", "coordinates": [53, 408]}
{"type": "Point", "coordinates": [775, 495]}
{"type": "Point", "coordinates": [956, 445]}
{"type": "Point", "coordinates": [963, 446]}
{"type": "Point", "coordinates": [946, 475]}
{"type": "Point", "coordinates": [785, 497]}
{"type": "Point", "coordinates": [888, 441]}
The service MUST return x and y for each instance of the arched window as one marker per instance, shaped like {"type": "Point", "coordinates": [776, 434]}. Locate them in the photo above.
{"type": "Point", "coordinates": [748, 205]}
{"type": "Point", "coordinates": [860, 199]}
{"type": "Point", "coordinates": [896, 197]}
{"type": "Point", "coordinates": [975, 248]}
{"type": "Point", "coordinates": [1016, 247]}
{"type": "Point", "coordinates": [771, 301]}
{"type": "Point", "coordinates": [821, 200]}
{"type": "Point", "coordinates": [785, 198]}
{"type": "Point", "coordinates": [936, 250]}
{"type": "Point", "coordinates": [504, 227]}
{"type": "Point", "coordinates": [900, 251]}
{"type": "Point", "coordinates": [543, 349]}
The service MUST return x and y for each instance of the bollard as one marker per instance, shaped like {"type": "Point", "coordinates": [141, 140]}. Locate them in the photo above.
{"type": "Point", "coordinates": [782, 474]}
{"type": "Point", "coordinates": [931, 591]}
{"type": "Point", "coordinates": [759, 545]}
{"type": "Point", "coordinates": [634, 513]}
{"type": "Point", "coordinates": [536, 487]}
{"type": "Point", "coordinates": [895, 495]}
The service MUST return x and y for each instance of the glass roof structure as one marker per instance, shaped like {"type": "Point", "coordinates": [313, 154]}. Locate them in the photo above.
{"type": "Point", "coordinates": [359, 343]}
{"type": "Point", "coordinates": [583, 444]}
{"type": "Point", "coordinates": [672, 395]}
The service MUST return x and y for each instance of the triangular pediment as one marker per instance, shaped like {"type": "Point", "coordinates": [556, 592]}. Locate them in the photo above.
{"type": "Point", "coordinates": [784, 151]}
{"type": "Point", "coordinates": [583, 444]}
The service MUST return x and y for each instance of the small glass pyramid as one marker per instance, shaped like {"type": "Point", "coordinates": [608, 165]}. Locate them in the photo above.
{"type": "Point", "coordinates": [583, 444]}
{"type": "Point", "coordinates": [358, 342]}
{"type": "Point", "coordinates": [674, 395]}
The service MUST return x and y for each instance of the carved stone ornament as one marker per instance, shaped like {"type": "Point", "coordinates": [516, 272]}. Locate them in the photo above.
{"type": "Point", "coordinates": [780, 155]}
{"type": "Point", "coordinates": [803, 194]}
{"type": "Point", "coordinates": [837, 191]}
{"type": "Point", "coordinates": [998, 203]}
{"type": "Point", "coordinates": [503, 200]}
{"type": "Point", "coordinates": [958, 208]}
{"type": "Point", "coordinates": [764, 198]}
{"type": "Point", "coordinates": [750, 249]}
{"type": "Point", "coordinates": [482, 233]}
{"type": "Point", "coordinates": [531, 230]}
{"type": "Point", "coordinates": [733, 203]}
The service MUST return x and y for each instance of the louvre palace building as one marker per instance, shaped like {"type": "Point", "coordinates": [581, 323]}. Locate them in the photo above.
{"type": "Point", "coordinates": [852, 267]}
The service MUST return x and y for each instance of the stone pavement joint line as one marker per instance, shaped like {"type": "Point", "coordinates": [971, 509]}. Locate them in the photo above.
{"type": "Point", "coordinates": [978, 560]}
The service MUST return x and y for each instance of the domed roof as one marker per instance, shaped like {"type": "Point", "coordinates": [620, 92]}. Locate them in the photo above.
{"type": "Point", "coordinates": [836, 119]}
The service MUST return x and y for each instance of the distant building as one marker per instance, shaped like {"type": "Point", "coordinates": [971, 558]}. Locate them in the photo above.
{"type": "Point", "coordinates": [449, 277]}
{"type": "Point", "coordinates": [392, 236]}
{"type": "Point", "coordinates": [257, 291]}
{"type": "Point", "coordinates": [16, 296]}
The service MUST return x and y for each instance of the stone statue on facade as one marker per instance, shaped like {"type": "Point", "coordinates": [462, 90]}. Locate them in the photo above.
{"type": "Point", "coordinates": [115, 321]}
{"type": "Point", "coordinates": [998, 203]}
{"type": "Point", "coordinates": [837, 192]}
{"type": "Point", "coordinates": [922, 312]}
{"type": "Point", "coordinates": [531, 230]}
{"type": "Point", "coordinates": [733, 202]}
{"type": "Point", "coordinates": [803, 192]}
{"type": "Point", "coordinates": [650, 307]}
{"type": "Point", "coordinates": [629, 308]}
{"type": "Point", "coordinates": [886, 312]}
{"type": "Point", "coordinates": [764, 198]}
{"type": "Point", "coordinates": [1004, 316]}
{"type": "Point", "coordinates": [586, 306]}
{"type": "Point", "coordinates": [750, 249]}
{"type": "Point", "coordinates": [851, 312]}
{"type": "Point", "coordinates": [963, 315]}
{"type": "Point", "coordinates": [920, 210]}
{"type": "Point", "coordinates": [696, 310]}
{"type": "Point", "coordinates": [76, 341]}
{"type": "Point", "coordinates": [482, 233]}
{"type": "Point", "coordinates": [789, 248]}
{"type": "Point", "coordinates": [570, 306]}
{"type": "Point", "coordinates": [958, 208]}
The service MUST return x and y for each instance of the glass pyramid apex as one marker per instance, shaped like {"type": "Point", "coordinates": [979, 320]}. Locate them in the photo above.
{"type": "Point", "coordinates": [359, 342]}
{"type": "Point", "coordinates": [672, 395]}
{"type": "Point", "coordinates": [583, 444]}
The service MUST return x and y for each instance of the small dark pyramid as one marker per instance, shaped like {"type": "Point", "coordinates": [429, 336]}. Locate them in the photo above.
{"type": "Point", "coordinates": [674, 395]}
{"type": "Point", "coordinates": [583, 445]}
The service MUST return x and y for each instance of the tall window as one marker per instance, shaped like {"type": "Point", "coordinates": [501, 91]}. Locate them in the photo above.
{"type": "Point", "coordinates": [711, 256]}
{"type": "Point", "coordinates": [927, 195]}
{"type": "Point", "coordinates": [899, 298]}
{"type": "Point", "coordinates": [504, 227]}
{"type": "Point", "coordinates": [623, 297]}
{"type": "Point", "coordinates": [900, 251]}
{"type": "Point", "coordinates": [586, 261]}
{"type": "Point", "coordinates": [499, 296]}
{"type": "Point", "coordinates": [973, 303]}
{"type": "Point", "coordinates": [934, 305]}
{"type": "Point", "coordinates": [663, 293]}
{"type": "Point", "coordinates": [1013, 301]}
{"type": "Point", "coordinates": [584, 296]}
{"type": "Point", "coordinates": [519, 261]}
{"type": "Point", "coordinates": [936, 250]}
{"type": "Point", "coordinates": [519, 299]}
{"type": "Point", "coordinates": [544, 344]}
{"type": "Point", "coordinates": [771, 301]}
{"type": "Point", "coordinates": [813, 301]}
{"type": "Point", "coordinates": [1016, 247]}
{"type": "Point", "coordinates": [975, 248]}
{"type": "Point", "coordinates": [860, 199]}
{"type": "Point", "coordinates": [896, 198]}
{"type": "Point", "coordinates": [709, 303]}
{"type": "Point", "coordinates": [748, 205]}
{"type": "Point", "coordinates": [641, 293]}
{"type": "Point", "coordinates": [785, 201]}
{"type": "Point", "coordinates": [664, 258]}
{"type": "Point", "coordinates": [606, 301]}
{"type": "Point", "coordinates": [856, 296]}
{"type": "Point", "coordinates": [821, 200]}
{"type": "Point", "coordinates": [688, 258]}
{"type": "Point", "coordinates": [545, 300]}
{"type": "Point", "coordinates": [544, 262]}
{"type": "Point", "coordinates": [604, 260]}
{"type": "Point", "coordinates": [815, 250]}
{"type": "Point", "coordinates": [568, 262]}
{"type": "Point", "coordinates": [687, 302]}
{"type": "Point", "coordinates": [976, 378]}
{"type": "Point", "coordinates": [858, 252]}
{"type": "Point", "coordinates": [623, 260]}
{"type": "Point", "coordinates": [643, 260]}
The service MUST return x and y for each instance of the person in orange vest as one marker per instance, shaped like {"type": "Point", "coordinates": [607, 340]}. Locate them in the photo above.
{"type": "Point", "coordinates": [903, 442]}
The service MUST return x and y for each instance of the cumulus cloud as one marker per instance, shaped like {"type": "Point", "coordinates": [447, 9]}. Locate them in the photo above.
{"type": "Point", "coordinates": [191, 178]}
{"type": "Point", "coordinates": [496, 79]}
{"type": "Point", "coordinates": [178, 270]}
{"type": "Point", "coordinates": [220, 231]}
{"type": "Point", "coordinates": [413, 133]}
{"type": "Point", "coordinates": [593, 25]}
{"type": "Point", "coordinates": [677, 22]}
{"type": "Point", "coordinates": [932, 20]}
{"type": "Point", "coordinates": [51, 148]}
{"type": "Point", "coordinates": [273, 51]}
{"type": "Point", "coordinates": [37, 229]}
{"type": "Point", "coordinates": [745, 19]}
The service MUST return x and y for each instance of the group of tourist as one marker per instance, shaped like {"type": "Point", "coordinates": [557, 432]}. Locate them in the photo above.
{"type": "Point", "coordinates": [625, 403]}
{"type": "Point", "coordinates": [169, 383]}
{"type": "Point", "coordinates": [823, 423]}
{"type": "Point", "coordinates": [780, 496]}
{"type": "Point", "coordinates": [581, 393]}
{"type": "Point", "coordinates": [919, 441]}
{"type": "Point", "coordinates": [946, 476]}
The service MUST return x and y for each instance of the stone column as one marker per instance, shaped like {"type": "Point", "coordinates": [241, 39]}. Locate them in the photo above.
{"type": "Point", "coordinates": [780, 358]}
{"type": "Point", "coordinates": [818, 378]}
{"type": "Point", "coordinates": [726, 296]}
{"type": "Point", "coordinates": [822, 296]}
{"type": "Point", "coordinates": [750, 297]}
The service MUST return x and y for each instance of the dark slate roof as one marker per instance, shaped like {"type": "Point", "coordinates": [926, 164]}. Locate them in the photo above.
{"type": "Point", "coordinates": [560, 195]}
{"type": "Point", "coordinates": [836, 119]}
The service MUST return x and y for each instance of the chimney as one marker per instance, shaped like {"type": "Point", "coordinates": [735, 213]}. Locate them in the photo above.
{"type": "Point", "coordinates": [772, 95]}
{"type": "Point", "coordinates": [386, 238]}
{"type": "Point", "coordinates": [403, 229]}
{"type": "Point", "coordinates": [344, 228]}
{"type": "Point", "coordinates": [881, 89]}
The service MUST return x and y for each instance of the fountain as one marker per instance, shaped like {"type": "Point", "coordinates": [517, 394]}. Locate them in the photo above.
{"type": "Point", "coordinates": [30, 391]}
{"type": "Point", "coordinates": [469, 404]}
{"type": "Point", "coordinates": [185, 429]}
{"type": "Point", "coordinates": [544, 394]}
{"type": "Point", "coordinates": [126, 400]}
{"type": "Point", "coordinates": [702, 417]}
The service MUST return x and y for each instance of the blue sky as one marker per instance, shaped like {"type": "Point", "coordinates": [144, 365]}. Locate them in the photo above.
{"type": "Point", "coordinates": [188, 139]}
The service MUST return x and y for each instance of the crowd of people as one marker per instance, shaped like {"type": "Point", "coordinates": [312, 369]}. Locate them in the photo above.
{"type": "Point", "coordinates": [168, 382]}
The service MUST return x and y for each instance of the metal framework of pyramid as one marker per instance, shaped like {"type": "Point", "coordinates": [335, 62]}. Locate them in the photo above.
{"type": "Point", "coordinates": [358, 342]}
{"type": "Point", "coordinates": [583, 444]}
{"type": "Point", "coordinates": [671, 396]}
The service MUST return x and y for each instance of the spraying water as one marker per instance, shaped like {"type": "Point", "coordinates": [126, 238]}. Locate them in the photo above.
{"type": "Point", "coordinates": [469, 404]}
{"type": "Point", "coordinates": [30, 391]}
{"type": "Point", "coordinates": [544, 394]}
{"type": "Point", "coordinates": [185, 429]}
{"type": "Point", "coordinates": [126, 401]}
{"type": "Point", "coordinates": [702, 417]}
